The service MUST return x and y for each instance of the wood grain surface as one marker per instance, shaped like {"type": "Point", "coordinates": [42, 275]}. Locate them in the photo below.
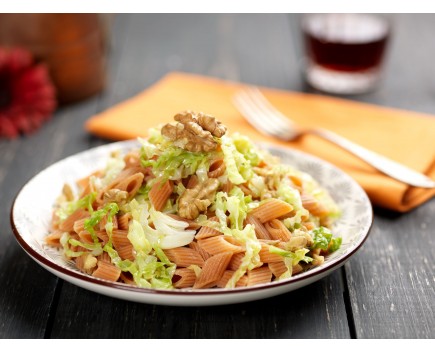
{"type": "Point", "coordinates": [385, 291]}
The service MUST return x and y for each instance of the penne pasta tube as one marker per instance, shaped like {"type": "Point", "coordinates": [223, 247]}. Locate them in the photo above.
{"type": "Point", "coordinates": [107, 271]}
{"type": "Point", "coordinates": [213, 270]}
{"type": "Point", "coordinates": [184, 278]}
{"type": "Point", "coordinates": [160, 193]}
{"type": "Point", "coordinates": [271, 209]}
{"type": "Point", "coordinates": [184, 257]}
{"type": "Point", "coordinates": [278, 230]}
{"type": "Point", "coordinates": [259, 276]}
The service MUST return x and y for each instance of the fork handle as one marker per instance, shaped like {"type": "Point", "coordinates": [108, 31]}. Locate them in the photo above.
{"type": "Point", "coordinates": [387, 166]}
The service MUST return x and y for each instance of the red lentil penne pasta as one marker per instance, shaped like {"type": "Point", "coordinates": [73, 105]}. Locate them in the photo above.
{"type": "Point", "coordinates": [289, 215]}
{"type": "Point", "coordinates": [120, 182]}
{"type": "Point", "coordinates": [68, 224]}
{"type": "Point", "coordinates": [217, 168]}
{"type": "Point", "coordinates": [218, 244]}
{"type": "Point", "coordinates": [53, 239]}
{"type": "Point", "coordinates": [278, 268]}
{"type": "Point", "coordinates": [127, 278]}
{"type": "Point", "coordinates": [266, 256]}
{"type": "Point", "coordinates": [313, 205]}
{"type": "Point", "coordinates": [102, 236]}
{"type": "Point", "coordinates": [184, 257]}
{"type": "Point", "coordinates": [297, 269]}
{"type": "Point", "coordinates": [79, 225]}
{"type": "Point", "coordinates": [103, 222]}
{"type": "Point", "coordinates": [107, 271]}
{"type": "Point", "coordinates": [213, 270]}
{"type": "Point", "coordinates": [246, 190]}
{"type": "Point", "coordinates": [126, 252]}
{"type": "Point", "coordinates": [242, 282]}
{"type": "Point", "coordinates": [271, 209]}
{"type": "Point", "coordinates": [236, 261]}
{"type": "Point", "coordinates": [297, 181]}
{"type": "Point", "coordinates": [87, 190]}
{"type": "Point", "coordinates": [131, 184]}
{"type": "Point", "coordinates": [124, 221]}
{"type": "Point", "coordinates": [206, 232]}
{"type": "Point", "coordinates": [67, 192]}
{"type": "Point", "coordinates": [132, 159]}
{"type": "Point", "coordinates": [159, 194]}
{"type": "Point", "coordinates": [260, 230]}
{"type": "Point", "coordinates": [119, 238]}
{"type": "Point", "coordinates": [85, 185]}
{"type": "Point", "coordinates": [277, 230]}
{"type": "Point", "coordinates": [55, 220]}
{"type": "Point", "coordinates": [227, 186]}
{"type": "Point", "coordinates": [195, 246]}
{"type": "Point", "coordinates": [193, 181]}
{"type": "Point", "coordinates": [82, 183]}
{"type": "Point", "coordinates": [86, 237]}
{"type": "Point", "coordinates": [184, 278]}
{"type": "Point", "coordinates": [104, 257]}
{"type": "Point", "coordinates": [309, 225]}
{"type": "Point", "coordinates": [259, 276]}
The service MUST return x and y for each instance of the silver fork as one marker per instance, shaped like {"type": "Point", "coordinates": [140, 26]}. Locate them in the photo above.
{"type": "Point", "coordinates": [260, 113]}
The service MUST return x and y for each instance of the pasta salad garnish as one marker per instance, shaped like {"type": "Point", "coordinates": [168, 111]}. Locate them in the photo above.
{"type": "Point", "coordinates": [194, 207]}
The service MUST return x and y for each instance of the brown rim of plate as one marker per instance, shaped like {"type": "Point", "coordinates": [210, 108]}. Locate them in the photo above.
{"type": "Point", "coordinates": [183, 292]}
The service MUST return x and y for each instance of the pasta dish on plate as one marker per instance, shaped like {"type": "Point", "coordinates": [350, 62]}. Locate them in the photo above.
{"type": "Point", "coordinates": [194, 208]}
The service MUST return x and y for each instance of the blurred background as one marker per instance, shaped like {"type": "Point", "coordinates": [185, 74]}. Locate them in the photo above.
{"type": "Point", "coordinates": [109, 56]}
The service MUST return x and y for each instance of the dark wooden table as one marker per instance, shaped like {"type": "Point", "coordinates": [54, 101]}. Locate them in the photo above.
{"type": "Point", "coordinates": [385, 291]}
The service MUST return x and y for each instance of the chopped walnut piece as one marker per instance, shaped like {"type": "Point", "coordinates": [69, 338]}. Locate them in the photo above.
{"type": "Point", "coordinates": [194, 132]}
{"type": "Point", "coordinates": [196, 200]}
{"type": "Point", "coordinates": [115, 195]}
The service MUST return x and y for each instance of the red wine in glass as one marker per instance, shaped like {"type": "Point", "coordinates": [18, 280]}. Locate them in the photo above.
{"type": "Point", "coordinates": [344, 51]}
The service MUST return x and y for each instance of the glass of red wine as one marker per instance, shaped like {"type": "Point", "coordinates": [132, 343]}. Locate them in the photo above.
{"type": "Point", "coordinates": [344, 52]}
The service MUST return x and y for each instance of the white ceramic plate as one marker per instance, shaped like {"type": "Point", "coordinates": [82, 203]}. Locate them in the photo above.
{"type": "Point", "coordinates": [32, 209]}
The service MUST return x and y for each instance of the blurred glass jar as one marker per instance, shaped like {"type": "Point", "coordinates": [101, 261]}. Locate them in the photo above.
{"type": "Point", "coordinates": [72, 45]}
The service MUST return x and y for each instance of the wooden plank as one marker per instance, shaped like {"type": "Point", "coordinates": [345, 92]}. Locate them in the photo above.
{"type": "Point", "coordinates": [154, 45]}
{"type": "Point", "coordinates": [24, 302]}
{"type": "Point", "coordinates": [28, 297]}
{"type": "Point", "coordinates": [391, 282]}
{"type": "Point", "coordinates": [28, 290]}
{"type": "Point", "coordinates": [311, 312]}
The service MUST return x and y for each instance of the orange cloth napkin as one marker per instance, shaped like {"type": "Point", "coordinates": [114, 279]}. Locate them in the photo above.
{"type": "Point", "coordinates": [404, 136]}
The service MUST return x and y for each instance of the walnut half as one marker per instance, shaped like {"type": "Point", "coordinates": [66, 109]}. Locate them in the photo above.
{"type": "Point", "coordinates": [196, 200]}
{"type": "Point", "coordinates": [194, 132]}
{"type": "Point", "coordinates": [207, 122]}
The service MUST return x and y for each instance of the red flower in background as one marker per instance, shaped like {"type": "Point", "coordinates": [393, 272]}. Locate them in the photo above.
{"type": "Point", "coordinates": [27, 95]}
